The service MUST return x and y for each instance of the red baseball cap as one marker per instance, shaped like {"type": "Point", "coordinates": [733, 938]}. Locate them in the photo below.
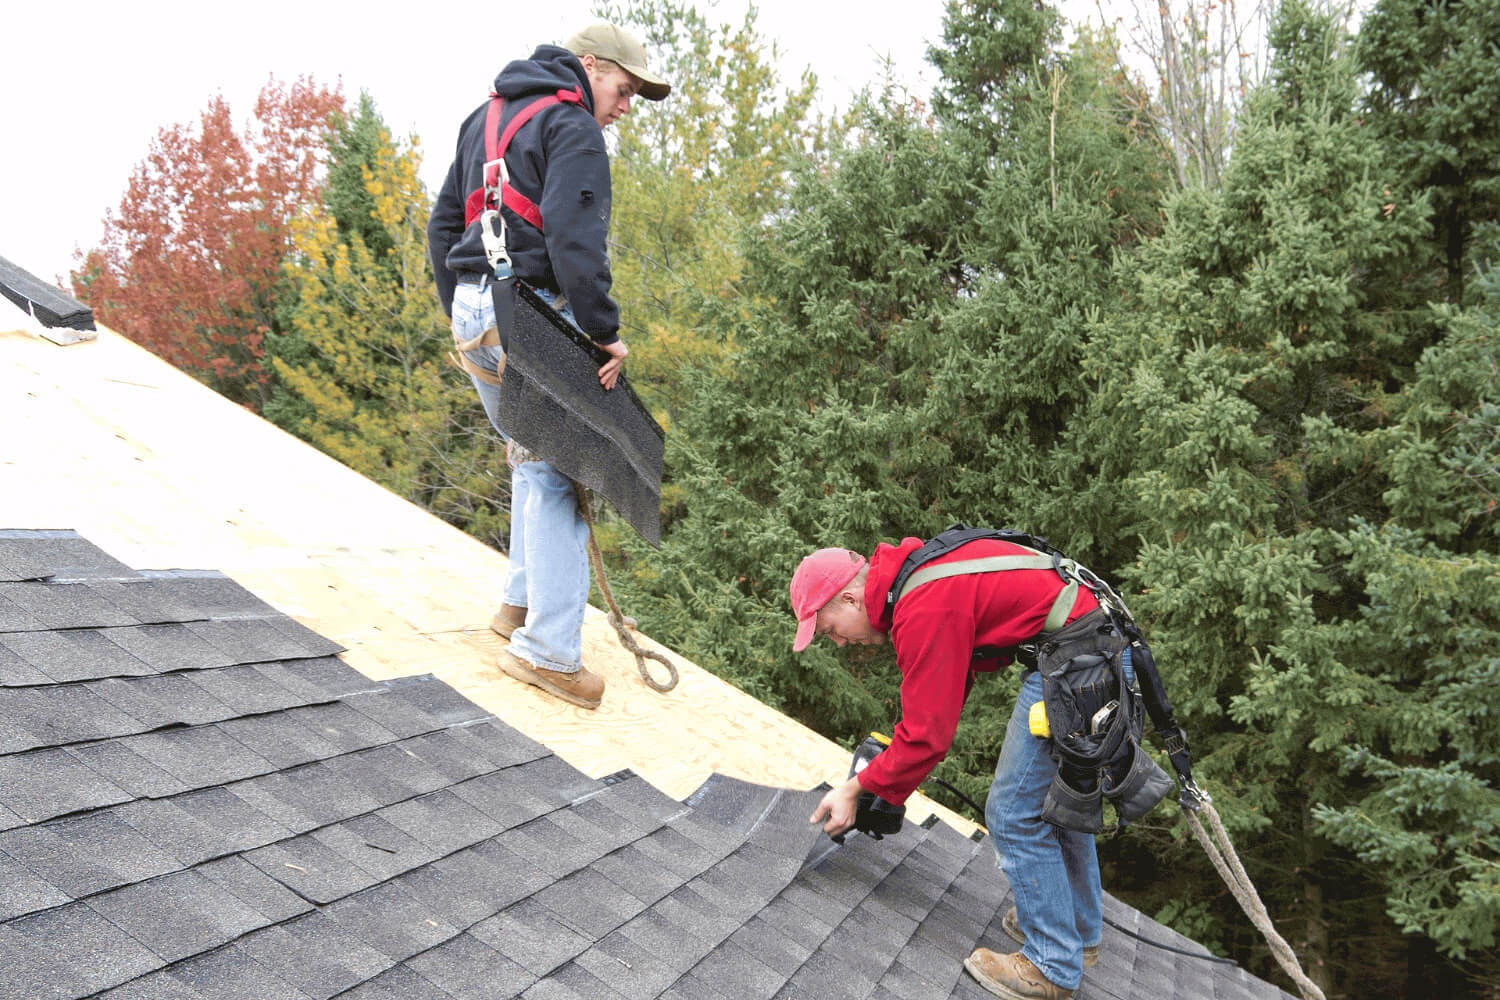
{"type": "Point", "coordinates": [818, 578]}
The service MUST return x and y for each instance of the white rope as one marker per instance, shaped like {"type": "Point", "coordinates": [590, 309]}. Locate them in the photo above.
{"type": "Point", "coordinates": [616, 617]}
{"type": "Point", "coordinates": [1221, 852]}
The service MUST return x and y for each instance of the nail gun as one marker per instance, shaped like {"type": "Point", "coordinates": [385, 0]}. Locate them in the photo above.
{"type": "Point", "coordinates": [873, 816]}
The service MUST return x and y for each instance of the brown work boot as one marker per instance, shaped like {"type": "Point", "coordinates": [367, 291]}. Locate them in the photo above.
{"type": "Point", "coordinates": [1012, 977]}
{"type": "Point", "coordinates": [508, 619]}
{"type": "Point", "coordinates": [581, 687]}
{"type": "Point", "coordinates": [1011, 924]}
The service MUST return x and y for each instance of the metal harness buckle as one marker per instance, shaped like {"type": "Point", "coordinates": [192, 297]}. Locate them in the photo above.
{"type": "Point", "coordinates": [492, 222]}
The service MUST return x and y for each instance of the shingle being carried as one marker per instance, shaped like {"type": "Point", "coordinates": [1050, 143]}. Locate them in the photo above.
{"type": "Point", "coordinates": [607, 441]}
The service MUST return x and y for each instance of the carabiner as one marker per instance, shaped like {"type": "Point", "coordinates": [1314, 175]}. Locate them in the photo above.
{"type": "Point", "coordinates": [492, 232]}
{"type": "Point", "coordinates": [1193, 798]}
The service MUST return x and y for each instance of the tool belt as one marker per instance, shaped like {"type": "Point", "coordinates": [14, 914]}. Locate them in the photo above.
{"type": "Point", "coordinates": [1096, 720]}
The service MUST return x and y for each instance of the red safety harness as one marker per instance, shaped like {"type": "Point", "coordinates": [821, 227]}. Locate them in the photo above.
{"type": "Point", "coordinates": [483, 206]}
{"type": "Point", "coordinates": [496, 189]}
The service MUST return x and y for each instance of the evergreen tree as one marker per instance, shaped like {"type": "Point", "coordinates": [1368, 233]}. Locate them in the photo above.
{"type": "Point", "coordinates": [992, 54]}
{"type": "Point", "coordinates": [903, 348]}
{"type": "Point", "coordinates": [1258, 386]}
{"type": "Point", "coordinates": [1436, 99]}
{"type": "Point", "coordinates": [788, 436]}
{"type": "Point", "coordinates": [690, 173]}
{"type": "Point", "coordinates": [1421, 754]}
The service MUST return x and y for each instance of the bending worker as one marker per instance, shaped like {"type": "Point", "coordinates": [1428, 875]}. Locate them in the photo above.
{"type": "Point", "coordinates": [947, 626]}
{"type": "Point", "coordinates": [556, 207]}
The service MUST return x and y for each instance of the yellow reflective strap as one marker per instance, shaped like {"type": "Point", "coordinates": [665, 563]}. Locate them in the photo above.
{"type": "Point", "coordinates": [1058, 616]}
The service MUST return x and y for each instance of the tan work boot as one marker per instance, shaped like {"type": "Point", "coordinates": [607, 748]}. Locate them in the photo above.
{"type": "Point", "coordinates": [1011, 924]}
{"type": "Point", "coordinates": [1012, 977]}
{"type": "Point", "coordinates": [509, 618]}
{"type": "Point", "coordinates": [581, 688]}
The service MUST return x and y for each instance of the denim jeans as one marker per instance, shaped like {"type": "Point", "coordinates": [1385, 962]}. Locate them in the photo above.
{"type": "Point", "coordinates": [549, 562]}
{"type": "Point", "coordinates": [1053, 872]}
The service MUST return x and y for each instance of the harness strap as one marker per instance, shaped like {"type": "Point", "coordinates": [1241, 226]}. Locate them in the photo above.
{"type": "Point", "coordinates": [495, 149]}
{"type": "Point", "coordinates": [488, 377]}
{"type": "Point", "coordinates": [489, 338]}
{"type": "Point", "coordinates": [1057, 617]}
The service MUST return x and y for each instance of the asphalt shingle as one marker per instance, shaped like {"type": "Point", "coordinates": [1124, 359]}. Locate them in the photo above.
{"type": "Point", "coordinates": [76, 654]}
{"type": "Point", "coordinates": [177, 915]}
{"type": "Point", "coordinates": [44, 784]}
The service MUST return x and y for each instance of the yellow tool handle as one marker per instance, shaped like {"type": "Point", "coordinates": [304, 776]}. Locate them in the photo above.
{"type": "Point", "coordinates": [1037, 719]}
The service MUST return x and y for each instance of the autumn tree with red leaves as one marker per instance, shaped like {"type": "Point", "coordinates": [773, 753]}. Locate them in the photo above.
{"type": "Point", "coordinates": [190, 268]}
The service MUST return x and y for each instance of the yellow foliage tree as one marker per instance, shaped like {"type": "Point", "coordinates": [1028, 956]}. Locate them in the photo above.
{"type": "Point", "coordinates": [365, 371]}
{"type": "Point", "coordinates": [691, 175]}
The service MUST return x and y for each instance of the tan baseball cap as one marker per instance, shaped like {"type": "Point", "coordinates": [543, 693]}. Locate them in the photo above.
{"type": "Point", "coordinates": [612, 42]}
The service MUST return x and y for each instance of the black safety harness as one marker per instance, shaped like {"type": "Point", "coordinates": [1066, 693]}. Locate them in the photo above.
{"type": "Point", "coordinates": [1095, 717]}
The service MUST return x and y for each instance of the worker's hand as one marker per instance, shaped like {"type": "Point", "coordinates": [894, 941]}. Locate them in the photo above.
{"type": "Point", "coordinates": [610, 373]}
{"type": "Point", "coordinates": [837, 808]}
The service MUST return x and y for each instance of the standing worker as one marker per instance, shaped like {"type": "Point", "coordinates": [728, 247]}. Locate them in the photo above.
{"type": "Point", "coordinates": [556, 226]}
{"type": "Point", "coordinates": [969, 602]}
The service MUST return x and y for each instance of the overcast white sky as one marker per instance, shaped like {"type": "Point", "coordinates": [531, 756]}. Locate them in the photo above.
{"type": "Point", "coordinates": [86, 85]}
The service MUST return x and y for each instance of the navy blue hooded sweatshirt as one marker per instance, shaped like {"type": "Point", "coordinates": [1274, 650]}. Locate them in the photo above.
{"type": "Point", "coordinates": [559, 161]}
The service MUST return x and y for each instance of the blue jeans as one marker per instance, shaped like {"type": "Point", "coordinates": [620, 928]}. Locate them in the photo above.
{"type": "Point", "coordinates": [549, 562]}
{"type": "Point", "coordinates": [1053, 872]}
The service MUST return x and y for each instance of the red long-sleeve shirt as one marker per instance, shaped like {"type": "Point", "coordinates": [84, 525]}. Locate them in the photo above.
{"type": "Point", "coordinates": [935, 631]}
